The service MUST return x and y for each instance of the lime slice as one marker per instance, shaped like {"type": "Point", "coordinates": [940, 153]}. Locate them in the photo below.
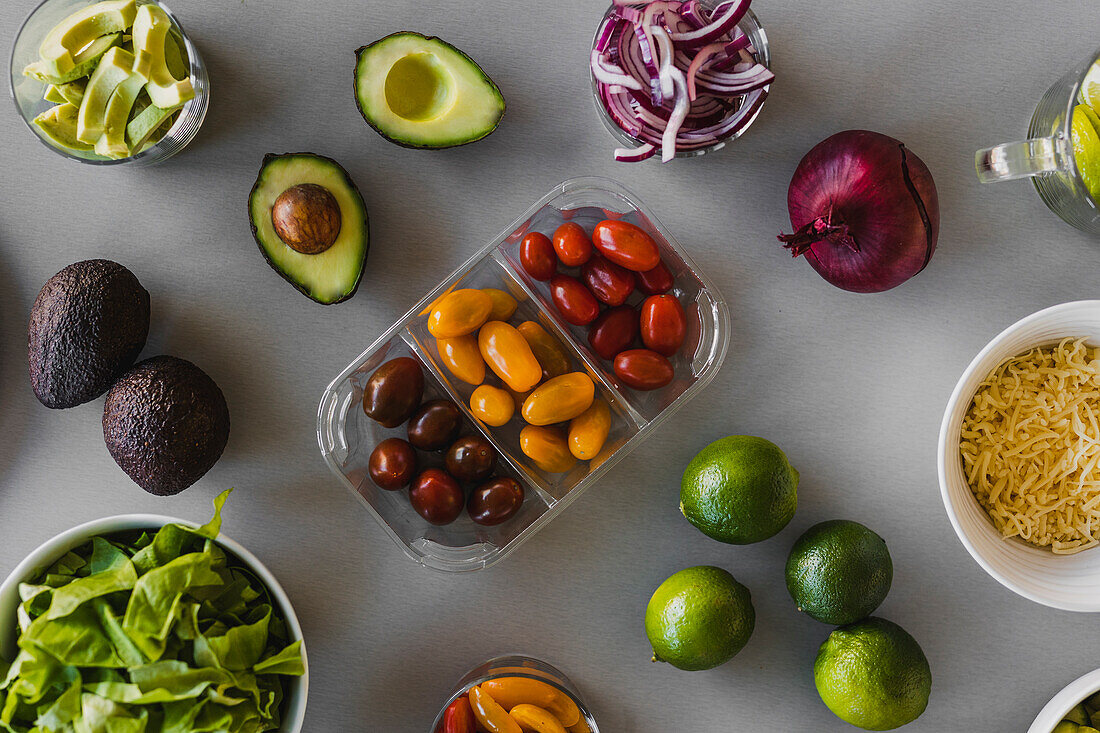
{"type": "Point", "coordinates": [1086, 149]}
{"type": "Point", "coordinates": [1090, 88]}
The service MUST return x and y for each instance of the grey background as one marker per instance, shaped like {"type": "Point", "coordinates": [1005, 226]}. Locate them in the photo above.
{"type": "Point", "coordinates": [851, 386]}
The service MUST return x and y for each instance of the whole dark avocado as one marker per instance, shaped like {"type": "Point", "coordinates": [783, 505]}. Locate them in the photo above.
{"type": "Point", "coordinates": [165, 422]}
{"type": "Point", "coordinates": [87, 326]}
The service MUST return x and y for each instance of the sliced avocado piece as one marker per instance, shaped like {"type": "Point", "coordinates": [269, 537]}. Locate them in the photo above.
{"type": "Point", "coordinates": [59, 125]}
{"type": "Point", "coordinates": [53, 95]}
{"type": "Point", "coordinates": [73, 92]}
{"type": "Point", "coordinates": [421, 92]}
{"type": "Point", "coordinates": [1066, 726]}
{"type": "Point", "coordinates": [112, 143]}
{"type": "Point", "coordinates": [151, 28]}
{"type": "Point", "coordinates": [293, 222]}
{"type": "Point", "coordinates": [114, 69]}
{"type": "Point", "coordinates": [62, 45]}
{"type": "Point", "coordinates": [85, 62]}
{"type": "Point", "coordinates": [146, 122]}
{"type": "Point", "coordinates": [175, 58]}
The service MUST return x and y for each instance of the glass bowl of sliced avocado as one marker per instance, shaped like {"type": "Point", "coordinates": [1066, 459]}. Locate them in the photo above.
{"type": "Point", "coordinates": [109, 83]}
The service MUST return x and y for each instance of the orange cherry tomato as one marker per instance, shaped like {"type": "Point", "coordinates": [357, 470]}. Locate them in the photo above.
{"type": "Point", "coordinates": [572, 245]}
{"type": "Point", "coordinates": [573, 300]}
{"type": "Point", "coordinates": [492, 405]}
{"type": "Point", "coordinates": [536, 255]}
{"type": "Point", "coordinates": [512, 691]}
{"type": "Point", "coordinates": [490, 714]}
{"type": "Point", "coordinates": [459, 313]}
{"type": "Point", "coordinates": [656, 281]}
{"type": "Point", "coordinates": [549, 352]}
{"type": "Point", "coordinates": [533, 718]}
{"type": "Point", "coordinates": [588, 430]}
{"type": "Point", "coordinates": [560, 399]}
{"type": "Point", "coordinates": [610, 283]}
{"type": "Point", "coordinates": [459, 717]}
{"type": "Point", "coordinates": [613, 331]}
{"type": "Point", "coordinates": [643, 370]}
{"type": "Point", "coordinates": [547, 447]}
{"type": "Point", "coordinates": [462, 357]}
{"type": "Point", "coordinates": [504, 305]}
{"type": "Point", "coordinates": [506, 352]}
{"type": "Point", "coordinates": [626, 245]}
{"type": "Point", "coordinates": [663, 324]}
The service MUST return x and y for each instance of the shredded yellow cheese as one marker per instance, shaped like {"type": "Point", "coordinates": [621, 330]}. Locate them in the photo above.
{"type": "Point", "coordinates": [1030, 446]}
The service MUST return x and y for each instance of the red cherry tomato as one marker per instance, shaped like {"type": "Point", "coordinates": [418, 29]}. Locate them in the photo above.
{"type": "Point", "coordinates": [436, 496]}
{"type": "Point", "coordinates": [626, 245]}
{"type": "Point", "coordinates": [614, 331]}
{"type": "Point", "coordinates": [610, 283]}
{"type": "Point", "coordinates": [572, 244]}
{"type": "Point", "coordinates": [459, 717]}
{"type": "Point", "coordinates": [656, 281]}
{"type": "Point", "coordinates": [574, 302]}
{"type": "Point", "coordinates": [536, 254]}
{"type": "Point", "coordinates": [663, 324]}
{"type": "Point", "coordinates": [643, 369]}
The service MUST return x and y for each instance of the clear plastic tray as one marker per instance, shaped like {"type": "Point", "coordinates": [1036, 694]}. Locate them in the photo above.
{"type": "Point", "coordinates": [347, 436]}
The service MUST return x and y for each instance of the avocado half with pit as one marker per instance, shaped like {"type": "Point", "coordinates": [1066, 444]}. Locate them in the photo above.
{"type": "Point", "coordinates": [310, 222]}
{"type": "Point", "coordinates": [422, 92]}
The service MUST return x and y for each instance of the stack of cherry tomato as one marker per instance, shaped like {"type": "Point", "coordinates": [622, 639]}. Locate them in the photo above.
{"type": "Point", "coordinates": [392, 396]}
{"type": "Point", "coordinates": [616, 260]}
{"type": "Point", "coordinates": [513, 705]}
{"type": "Point", "coordinates": [566, 421]}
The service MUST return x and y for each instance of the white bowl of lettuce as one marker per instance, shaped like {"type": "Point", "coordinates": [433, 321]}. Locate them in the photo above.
{"type": "Point", "coordinates": [139, 623]}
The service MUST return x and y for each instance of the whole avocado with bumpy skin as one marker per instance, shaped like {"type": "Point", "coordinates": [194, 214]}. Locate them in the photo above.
{"type": "Point", "coordinates": [165, 422]}
{"type": "Point", "coordinates": [87, 326]}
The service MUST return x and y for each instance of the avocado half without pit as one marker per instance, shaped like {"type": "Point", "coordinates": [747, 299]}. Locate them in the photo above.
{"type": "Point", "coordinates": [421, 92]}
{"type": "Point", "coordinates": [310, 223]}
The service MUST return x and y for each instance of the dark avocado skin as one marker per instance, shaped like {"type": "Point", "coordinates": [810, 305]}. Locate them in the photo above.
{"type": "Point", "coordinates": [87, 326]}
{"type": "Point", "coordinates": [355, 93]}
{"type": "Point", "coordinates": [165, 422]}
{"type": "Point", "coordinates": [256, 236]}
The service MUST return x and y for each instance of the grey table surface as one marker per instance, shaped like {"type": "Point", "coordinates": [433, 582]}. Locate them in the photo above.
{"type": "Point", "coordinates": [852, 387]}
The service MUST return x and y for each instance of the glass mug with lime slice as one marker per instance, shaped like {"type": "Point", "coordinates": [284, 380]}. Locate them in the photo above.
{"type": "Point", "coordinates": [1062, 156]}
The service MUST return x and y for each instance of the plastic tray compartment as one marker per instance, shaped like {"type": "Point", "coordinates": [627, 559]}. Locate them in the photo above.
{"type": "Point", "coordinates": [347, 436]}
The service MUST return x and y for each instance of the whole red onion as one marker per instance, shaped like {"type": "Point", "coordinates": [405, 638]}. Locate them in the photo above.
{"type": "Point", "coordinates": [865, 211]}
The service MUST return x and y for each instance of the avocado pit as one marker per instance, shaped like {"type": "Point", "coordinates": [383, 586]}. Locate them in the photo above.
{"type": "Point", "coordinates": [307, 218]}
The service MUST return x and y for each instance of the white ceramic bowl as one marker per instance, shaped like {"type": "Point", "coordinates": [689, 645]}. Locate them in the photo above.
{"type": "Point", "coordinates": [1064, 701]}
{"type": "Point", "coordinates": [1069, 582]}
{"type": "Point", "coordinates": [294, 705]}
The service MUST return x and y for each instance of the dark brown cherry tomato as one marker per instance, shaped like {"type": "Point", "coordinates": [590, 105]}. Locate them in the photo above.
{"type": "Point", "coordinates": [656, 281]}
{"type": "Point", "coordinates": [610, 283]}
{"type": "Point", "coordinates": [536, 254]}
{"type": "Point", "coordinates": [572, 245]}
{"type": "Point", "coordinates": [663, 324]}
{"type": "Point", "coordinates": [643, 369]}
{"type": "Point", "coordinates": [626, 245]}
{"type": "Point", "coordinates": [436, 496]}
{"type": "Point", "coordinates": [574, 302]}
{"type": "Point", "coordinates": [393, 392]}
{"type": "Point", "coordinates": [458, 717]}
{"type": "Point", "coordinates": [392, 464]}
{"type": "Point", "coordinates": [435, 425]}
{"type": "Point", "coordinates": [614, 331]}
{"type": "Point", "coordinates": [471, 458]}
{"type": "Point", "coordinates": [495, 501]}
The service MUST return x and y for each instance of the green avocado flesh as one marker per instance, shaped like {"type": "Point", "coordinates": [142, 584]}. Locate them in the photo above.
{"type": "Point", "coordinates": [61, 47]}
{"type": "Point", "coordinates": [421, 92]}
{"type": "Point", "coordinates": [85, 62]}
{"type": "Point", "coordinates": [59, 125]}
{"type": "Point", "coordinates": [333, 275]}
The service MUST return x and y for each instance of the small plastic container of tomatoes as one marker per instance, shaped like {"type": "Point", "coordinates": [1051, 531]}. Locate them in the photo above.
{"type": "Point", "coordinates": [347, 435]}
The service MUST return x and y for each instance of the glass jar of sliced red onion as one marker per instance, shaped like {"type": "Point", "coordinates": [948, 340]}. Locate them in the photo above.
{"type": "Point", "coordinates": [678, 79]}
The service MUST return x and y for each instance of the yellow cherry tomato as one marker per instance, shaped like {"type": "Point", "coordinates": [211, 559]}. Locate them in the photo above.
{"type": "Point", "coordinates": [588, 431]}
{"type": "Point", "coordinates": [532, 717]}
{"type": "Point", "coordinates": [560, 399]}
{"type": "Point", "coordinates": [547, 447]}
{"type": "Point", "coordinates": [547, 349]}
{"type": "Point", "coordinates": [512, 691]}
{"type": "Point", "coordinates": [492, 405]}
{"type": "Point", "coordinates": [459, 313]}
{"type": "Point", "coordinates": [504, 305]}
{"type": "Point", "coordinates": [462, 357]}
{"type": "Point", "coordinates": [508, 355]}
{"type": "Point", "coordinates": [490, 714]}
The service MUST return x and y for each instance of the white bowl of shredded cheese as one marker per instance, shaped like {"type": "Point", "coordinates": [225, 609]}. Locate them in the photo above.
{"type": "Point", "coordinates": [1052, 442]}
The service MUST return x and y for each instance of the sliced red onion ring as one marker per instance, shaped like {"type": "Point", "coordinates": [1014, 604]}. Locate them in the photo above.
{"type": "Point", "coordinates": [608, 74]}
{"type": "Point", "coordinates": [722, 23]}
{"type": "Point", "coordinates": [634, 155]}
{"type": "Point", "coordinates": [701, 58]}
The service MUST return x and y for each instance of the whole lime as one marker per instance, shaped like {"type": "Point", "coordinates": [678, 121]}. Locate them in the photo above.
{"type": "Point", "coordinates": [839, 572]}
{"type": "Point", "coordinates": [699, 618]}
{"type": "Point", "coordinates": [739, 490]}
{"type": "Point", "coordinates": [873, 675]}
